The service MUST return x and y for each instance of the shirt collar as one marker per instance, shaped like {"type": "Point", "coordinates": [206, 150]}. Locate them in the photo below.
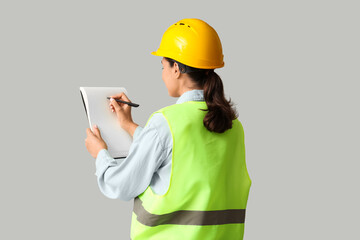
{"type": "Point", "coordinates": [192, 95]}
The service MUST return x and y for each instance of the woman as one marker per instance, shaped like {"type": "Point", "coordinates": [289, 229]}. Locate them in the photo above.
{"type": "Point", "coordinates": [186, 168]}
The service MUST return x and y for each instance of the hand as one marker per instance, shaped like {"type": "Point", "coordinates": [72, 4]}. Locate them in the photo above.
{"type": "Point", "coordinates": [123, 113]}
{"type": "Point", "coordinates": [94, 143]}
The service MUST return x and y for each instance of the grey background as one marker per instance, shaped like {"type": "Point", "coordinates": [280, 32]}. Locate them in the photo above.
{"type": "Point", "coordinates": [291, 67]}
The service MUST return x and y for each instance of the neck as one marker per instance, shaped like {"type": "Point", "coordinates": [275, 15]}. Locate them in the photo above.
{"type": "Point", "coordinates": [186, 84]}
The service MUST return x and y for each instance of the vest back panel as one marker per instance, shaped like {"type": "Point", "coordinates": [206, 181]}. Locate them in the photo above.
{"type": "Point", "coordinates": [208, 173]}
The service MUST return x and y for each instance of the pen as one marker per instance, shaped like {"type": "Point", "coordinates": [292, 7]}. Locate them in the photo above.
{"type": "Point", "coordinates": [128, 103]}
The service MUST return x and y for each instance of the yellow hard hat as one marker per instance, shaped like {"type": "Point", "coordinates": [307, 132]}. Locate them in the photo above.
{"type": "Point", "coordinates": [192, 42]}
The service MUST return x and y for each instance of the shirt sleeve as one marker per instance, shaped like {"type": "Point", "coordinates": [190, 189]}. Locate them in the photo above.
{"type": "Point", "coordinates": [128, 177]}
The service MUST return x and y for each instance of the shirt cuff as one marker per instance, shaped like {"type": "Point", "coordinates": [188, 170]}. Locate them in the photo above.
{"type": "Point", "coordinates": [137, 132]}
{"type": "Point", "coordinates": [103, 161]}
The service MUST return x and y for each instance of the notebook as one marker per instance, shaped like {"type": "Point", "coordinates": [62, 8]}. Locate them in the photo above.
{"type": "Point", "coordinates": [98, 112]}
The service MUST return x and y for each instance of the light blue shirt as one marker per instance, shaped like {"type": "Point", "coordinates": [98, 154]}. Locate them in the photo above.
{"type": "Point", "coordinates": [148, 161]}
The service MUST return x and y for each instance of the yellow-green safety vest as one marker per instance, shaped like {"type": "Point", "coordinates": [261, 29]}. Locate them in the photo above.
{"type": "Point", "coordinates": [209, 183]}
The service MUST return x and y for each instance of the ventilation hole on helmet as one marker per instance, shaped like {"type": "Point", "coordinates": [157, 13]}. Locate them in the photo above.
{"type": "Point", "coordinates": [182, 23]}
{"type": "Point", "coordinates": [188, 26]}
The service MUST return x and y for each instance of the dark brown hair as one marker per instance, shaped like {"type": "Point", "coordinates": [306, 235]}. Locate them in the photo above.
{"type": "Point", "coordinates": [220, 111]}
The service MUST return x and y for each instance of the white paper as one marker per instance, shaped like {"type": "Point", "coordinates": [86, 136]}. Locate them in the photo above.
{"type": "Point", "coordinates": [99, 113]}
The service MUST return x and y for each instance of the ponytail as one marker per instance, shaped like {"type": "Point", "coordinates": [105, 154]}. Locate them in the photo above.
{"type": "Point", "coordinates": [220, 111]}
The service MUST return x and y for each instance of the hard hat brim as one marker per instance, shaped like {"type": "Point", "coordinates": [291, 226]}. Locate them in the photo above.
{"type": "Point", "coordinates": [161, 53]}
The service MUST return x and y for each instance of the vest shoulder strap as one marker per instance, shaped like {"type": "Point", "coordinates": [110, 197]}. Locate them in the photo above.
{"type": "Point", "coordinates": [164, 109]}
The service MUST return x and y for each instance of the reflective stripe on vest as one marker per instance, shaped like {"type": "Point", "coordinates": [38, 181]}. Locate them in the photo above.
{"type": "Point", "coordinates": [186, 217]}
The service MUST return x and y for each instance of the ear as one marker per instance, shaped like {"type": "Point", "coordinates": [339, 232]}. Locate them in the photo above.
{"type": "Point", "coordinates": [176, 70]}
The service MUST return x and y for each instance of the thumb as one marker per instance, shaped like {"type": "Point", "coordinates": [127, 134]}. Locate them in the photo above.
{"type": "Point", "coordinates": [89, 132]}
{"type": "Point", "coordinates": [96, 131]}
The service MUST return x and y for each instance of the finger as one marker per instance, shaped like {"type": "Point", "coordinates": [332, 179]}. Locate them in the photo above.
{"type": "Point", "coordinates": [111, 108]}
{"type": "Point", "coordinates": [89, 132]}
{"type": "Point", "coordinates": [125, 98]}
{"type": "Point", "coordinates": [97, 131]}
{"type": "Point", "coordinates": [115, 105]}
